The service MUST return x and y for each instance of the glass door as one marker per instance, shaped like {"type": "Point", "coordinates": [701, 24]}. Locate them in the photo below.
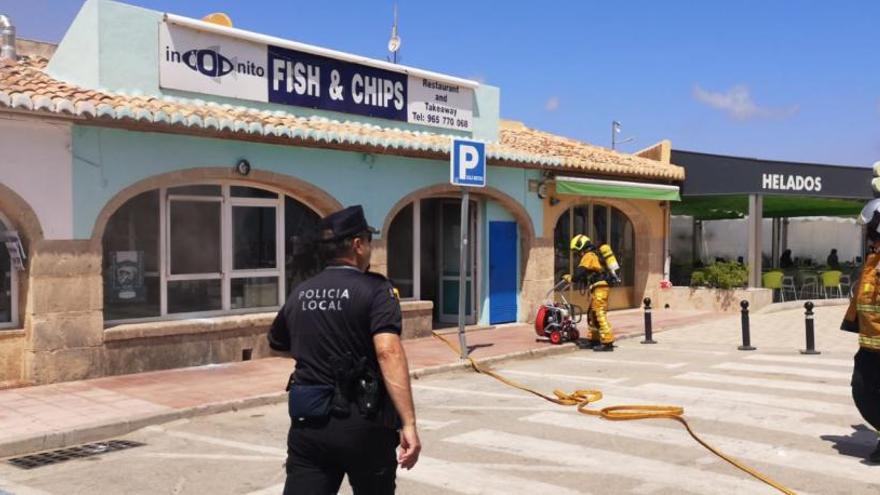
{"type": "Point", "coordinates": [449, 247]}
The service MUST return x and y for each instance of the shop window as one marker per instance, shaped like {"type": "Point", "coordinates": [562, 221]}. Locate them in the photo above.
{"type": "Point", "coordinates": [603, 224]}
{"type": "Point", "coordinates": [301, 258]}
{"type": "Point", "coordinates": [205, 249]}
{"type": "Point", "coordinates": [131, 259]}
{"type": "Point", "coordinates": [8, 287]}
{"type": "Point", "coordinates": [400, 242]}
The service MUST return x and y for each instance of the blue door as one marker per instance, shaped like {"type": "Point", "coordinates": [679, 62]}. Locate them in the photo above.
{"type": "Point", "coordinates": [502, 272]}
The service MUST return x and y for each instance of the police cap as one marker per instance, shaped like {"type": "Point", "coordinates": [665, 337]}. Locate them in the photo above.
{"type": "Point", "coordinates": [343, 224]}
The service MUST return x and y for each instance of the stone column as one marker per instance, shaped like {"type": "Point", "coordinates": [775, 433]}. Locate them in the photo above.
{"type": "Point", "coordinates": [379, 256]}
{"type": "Point", "coordinates": [537, 278]}
{"type": "Point", "coordinates": [64, 321]}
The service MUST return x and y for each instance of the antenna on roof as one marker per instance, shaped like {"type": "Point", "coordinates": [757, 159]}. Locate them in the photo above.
{"type": "Point", "coordinates": [394, 42]}
{"type": "Point", "coordinates": [615, 130]}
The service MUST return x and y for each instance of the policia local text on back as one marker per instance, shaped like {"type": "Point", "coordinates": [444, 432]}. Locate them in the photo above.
{"type": "Point", "coordinates": [350, 399]}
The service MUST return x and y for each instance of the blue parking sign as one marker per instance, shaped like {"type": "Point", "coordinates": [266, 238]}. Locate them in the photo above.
{"type": "Point", "coordinates": [467, 163]}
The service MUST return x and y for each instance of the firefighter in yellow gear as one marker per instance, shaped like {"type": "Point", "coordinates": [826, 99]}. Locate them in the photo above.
{"type": "Point", "coordinates": [863, 316]}
{"type": "Point", "coordinates": [594, 274]}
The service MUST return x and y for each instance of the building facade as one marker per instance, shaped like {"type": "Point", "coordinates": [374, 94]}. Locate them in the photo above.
{"type": "Point", "coordinates": [161, 185]}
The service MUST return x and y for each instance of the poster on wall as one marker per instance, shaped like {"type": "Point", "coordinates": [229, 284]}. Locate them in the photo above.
{"type": "Point", "coordinates": [15, 249]}
{"type": "Point", "coordinates": [127, 272]}
{"type": "Point", "coordinates": [215, 64]}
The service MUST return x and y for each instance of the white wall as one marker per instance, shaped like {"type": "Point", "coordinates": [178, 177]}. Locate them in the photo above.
{"type": "Point", "coordinates": [35, 162]}
{"type": "Point", "coordinates": [811, 237]}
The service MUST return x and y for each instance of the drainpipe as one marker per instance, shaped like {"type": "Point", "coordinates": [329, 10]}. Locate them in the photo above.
{"type": "Point", "coordinates": [7, 39]}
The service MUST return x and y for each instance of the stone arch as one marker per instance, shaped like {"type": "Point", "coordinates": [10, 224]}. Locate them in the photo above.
{"type": "Point", "coordinates": [310, 195]}
{"type": "Point", "coordinates": [648, 235]}
{"type": "Point", "coordinates": [21, 215]}
{"type": "Point", "coordinates": [527, 227]}
{"type": "Point", "coordinates": [531, 275]}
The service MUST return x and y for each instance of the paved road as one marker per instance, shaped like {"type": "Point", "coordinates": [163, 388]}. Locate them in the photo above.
{"type": "Point", "coordinates": [786, 414]}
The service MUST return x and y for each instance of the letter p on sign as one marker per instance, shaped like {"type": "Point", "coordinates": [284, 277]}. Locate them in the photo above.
{"type": "Point", "coordinates": [468, 163]}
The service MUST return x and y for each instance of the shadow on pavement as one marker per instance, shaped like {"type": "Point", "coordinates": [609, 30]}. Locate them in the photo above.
{"type": "Point", "coordinates": [860, 443]}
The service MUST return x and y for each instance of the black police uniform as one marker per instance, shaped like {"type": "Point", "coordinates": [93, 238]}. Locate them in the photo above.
{"type": "Point", "coordinates": [336, 314]}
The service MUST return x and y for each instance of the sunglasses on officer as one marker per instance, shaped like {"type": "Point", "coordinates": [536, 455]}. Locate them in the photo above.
{"type": "Point", "coordinates": [366, 236]}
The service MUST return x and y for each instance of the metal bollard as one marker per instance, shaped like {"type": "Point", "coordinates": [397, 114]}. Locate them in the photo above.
{"type": "Point", "coordinates": [810, 327]}
{"type": "Point", "coordinates": [747, 344]}
{"type": "Point", "coordinates": [648, 327]}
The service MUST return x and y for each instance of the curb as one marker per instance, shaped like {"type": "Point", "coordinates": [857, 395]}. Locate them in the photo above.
{"type": "Point", "coordinates": [102, 430]}
{"type": "Point", "coordinates": [785, 306]}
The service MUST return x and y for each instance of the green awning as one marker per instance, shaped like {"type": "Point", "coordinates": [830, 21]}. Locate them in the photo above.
{"type": "Point", "coordinates": [737, 206]}
{"type": "Point", "coordinates": [616, 189]}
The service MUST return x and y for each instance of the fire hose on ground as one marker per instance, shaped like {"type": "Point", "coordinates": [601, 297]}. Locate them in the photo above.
{"type": "Point", "coordinates": [583, 398]}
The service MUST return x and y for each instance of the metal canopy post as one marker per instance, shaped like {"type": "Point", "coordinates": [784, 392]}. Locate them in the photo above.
{"type": "Point", "coordinates": [774, 250]}
{"type": "Point", "coordinates": [754, 225]}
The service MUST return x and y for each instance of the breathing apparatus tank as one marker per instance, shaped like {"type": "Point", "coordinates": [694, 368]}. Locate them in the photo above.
{"type": "Point", "coordinates": [610, 260]}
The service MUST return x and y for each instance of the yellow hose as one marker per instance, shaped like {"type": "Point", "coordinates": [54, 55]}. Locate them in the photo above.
{"type": "Point", "coordinates": [583, 398]}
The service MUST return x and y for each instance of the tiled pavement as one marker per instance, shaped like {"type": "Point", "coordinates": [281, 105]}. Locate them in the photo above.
{"type": "Point", "coordinates": [49, 416]}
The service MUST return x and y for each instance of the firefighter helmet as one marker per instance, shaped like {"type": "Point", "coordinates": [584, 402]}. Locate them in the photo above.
{"type": "Point", "coordinates": [580, 242]}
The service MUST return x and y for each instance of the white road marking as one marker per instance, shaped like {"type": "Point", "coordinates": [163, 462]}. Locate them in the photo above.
{"type": "Point", "coordinates": [785, 370]}
{"type": "Point", "coordinates": [215, 457]}
{"type": "Point", "coordinates": [270, 490]}
{"type": "Point", "coordinates": [832, 465]}
{"type": "Point", "coordinates": [431, 425]}
{"type": "Point", "coordinates": [697, 393]}
{"type": "Point", "coordinates": [471, 478]}
{"type": "Point", "coordinates": [585, 379]}
{"type": "Point", "coordinates": [845, 363]}
{"type": "Point", "coordinates": [473, 392]}
{"type": "Point", "coordinates": [606, 462]}
{"type": "Point", "coordinates": [655, 364]}
{"type": "Point", "coordinates": [220, 441]}
{"type": "Point", "coordinates": [547, 406]}
{"type": "Point", "coordinates": [731, 412]}
{"type": "Point", "coordinates": [7, 486]}
{"type": "Point", "coordinates": [821, 388]}
{"type": "Point", "coordinates": [665, 350]}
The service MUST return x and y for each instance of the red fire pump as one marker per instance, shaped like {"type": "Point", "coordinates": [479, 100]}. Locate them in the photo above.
{"type": "Point", "coordinates": [557, 318]}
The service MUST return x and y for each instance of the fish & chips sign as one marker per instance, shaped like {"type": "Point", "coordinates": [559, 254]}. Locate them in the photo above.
{"type": "Point", "coordinates": [209, 63]}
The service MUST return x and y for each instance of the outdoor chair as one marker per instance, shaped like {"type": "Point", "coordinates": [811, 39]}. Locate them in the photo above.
{"type": "Point", "coordinates": [831, 281]}
{"type": "Point", "coordinates": [846, 285]}
{"type": "Point", "coordinates": [788, 285]}
{"type": "Point", "coordinates": [809, 285]}
{"type": "Point", "coordinates": [773, 280]}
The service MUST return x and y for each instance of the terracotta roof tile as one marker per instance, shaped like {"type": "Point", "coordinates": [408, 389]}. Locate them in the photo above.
{"type": "Point", "coordinates": [25, 86]}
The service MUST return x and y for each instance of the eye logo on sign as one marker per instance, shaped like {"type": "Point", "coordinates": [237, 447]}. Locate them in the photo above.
{"type": "Point", "coordinates": [211, 63]}
{"type": "Point", "coordinates": [208, 62]}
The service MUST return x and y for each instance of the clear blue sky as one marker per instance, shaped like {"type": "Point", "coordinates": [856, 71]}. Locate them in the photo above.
{"type": "Point", "coordinates": [782, 79]}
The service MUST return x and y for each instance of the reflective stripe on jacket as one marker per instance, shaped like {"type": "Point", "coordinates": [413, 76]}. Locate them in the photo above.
{"type": "Point", "coordinates": [864, 308]}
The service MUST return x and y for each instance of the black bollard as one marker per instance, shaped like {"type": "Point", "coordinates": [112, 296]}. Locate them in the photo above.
{"type": "Point", "coordinates": [648, 328]}
{"type": "Point", "coordinates": [747, 344]}
{"type": "Point", "coordinates": [811, 336]}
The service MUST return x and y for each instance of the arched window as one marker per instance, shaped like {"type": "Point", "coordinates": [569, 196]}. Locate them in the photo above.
{"type": "Point", "coordinates": [204, 249]}
{"type": "Point", "coordinates": [603, 224]}
{"type": "Point", "coordinates": [8, 284]}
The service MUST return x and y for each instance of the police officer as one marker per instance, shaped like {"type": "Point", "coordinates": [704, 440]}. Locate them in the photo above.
{"type": "Point", "coordinates": [350, 399]}
{"type": "Point", "coordinates": [863, 317]}
{"type": "Point", "coordinates": [591, 273]}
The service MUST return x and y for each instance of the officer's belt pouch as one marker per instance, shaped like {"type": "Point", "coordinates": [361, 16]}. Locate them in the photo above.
{"type": "Point", "coordinates": [310, 401]}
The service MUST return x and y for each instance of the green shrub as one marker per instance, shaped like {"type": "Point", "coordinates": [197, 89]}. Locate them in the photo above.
{"type": "Point", "coordinates": [698, 279]}
{"type": "Point", "coordinates": [722, 275]}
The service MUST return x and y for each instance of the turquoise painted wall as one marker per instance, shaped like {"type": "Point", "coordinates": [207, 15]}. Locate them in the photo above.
{"type": "Point", "coordinates": [114, 46]}
{"type": "Point", "coordinates": [105, 161]}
